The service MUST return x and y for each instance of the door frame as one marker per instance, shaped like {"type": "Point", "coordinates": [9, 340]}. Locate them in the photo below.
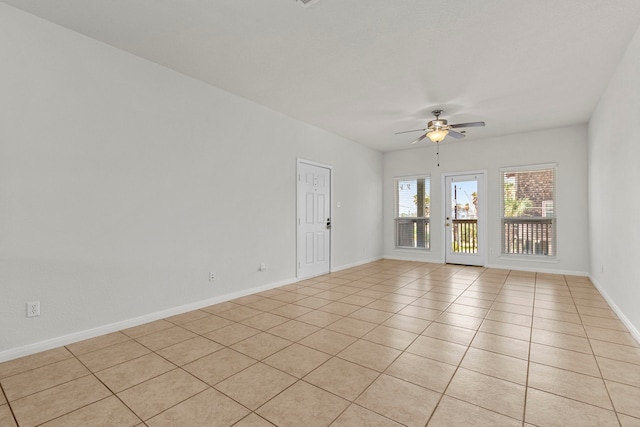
{"type": "Point", "coordinates": [300, 161]}
{"type": "Point", "coordinates": [482, 214]}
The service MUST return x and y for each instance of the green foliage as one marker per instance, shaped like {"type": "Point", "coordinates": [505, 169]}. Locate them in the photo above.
{"type": "Point", "coordinates": [513, 206]}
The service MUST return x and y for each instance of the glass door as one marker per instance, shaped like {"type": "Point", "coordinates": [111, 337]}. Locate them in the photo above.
{"type": "Point", "coordinates": [463, 219]}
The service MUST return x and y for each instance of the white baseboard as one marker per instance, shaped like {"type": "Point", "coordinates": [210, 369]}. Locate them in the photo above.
{"type": "Point", "coordinates": [624, 319]}
{"type": "Point", "coordinates": [37, 347]}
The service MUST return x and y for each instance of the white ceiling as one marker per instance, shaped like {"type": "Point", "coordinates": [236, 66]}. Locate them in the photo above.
{"type": "Point", "coordinates": [365, 69]}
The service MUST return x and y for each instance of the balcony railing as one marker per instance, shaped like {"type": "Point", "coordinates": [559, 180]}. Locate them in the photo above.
{"type": "Point", "coordinates": [412, 233]}
{"type": "Point", "coordinates": [530, 236]}
{"type": "Point", "coordinates": [465, 236]}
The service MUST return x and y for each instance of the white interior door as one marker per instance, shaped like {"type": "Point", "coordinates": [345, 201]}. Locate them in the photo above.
{"type": "Point", "coordinates": [464, 219]}
{"type": "Point", "coordinates": [314, 220]}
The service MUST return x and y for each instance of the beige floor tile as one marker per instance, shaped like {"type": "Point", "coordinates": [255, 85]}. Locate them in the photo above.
{"type": "Point", "coordinates": [293, 330]}
{"type": "Point", "coordinates": [503, 345]}
{"type": "Point", "coordinates": [147, 328]}
{"type": "Point", "coordinates": [369, 354]}
{"type": "Point", "coordinates": [288, 297]}
{"type": "Point", "coordinates": [627, 421]}
{"type": "Point", "coordinates": [490, 393]}
{"type": "Point", "coordinates": [616, 351]}
{"type": "Point", "coordinates": [339, 308]}
{"type": "Point", "coordinates": [399, 400]}
{"type": "Point", "coordinates": [506, 330]}
{"type": "Point", "coordinates": [467, 310]}
{"type": "Point", "coordinates": [239, 313]}
{"type": "Point", "coordinates": [621, 372]}
{"type": "Point", "coordinates": [343, 378]}
{"type": "Point", "coordinates": [312, 302]}
{"type": "Point", "coordinates": [391, 337]}
{"type": "Point", "coordinates": [127, 374]}
{"type": "Point", "coordinates": [511, 318]}
{"type": "Point", "coordinates": [328, 341]}
{"type": "Point", "coordinates": [424, 372]}
{"type": "Point", "coordinates": [625, 398]}
{"type": "Point", "coordinates": [556, 339]}
{"type": "Point", "coordinates": [297, 360]}
{"type": "Point", "coordinates": [189, 350]}
{"type": "Point", "coordinates": [610, 335]}
{"type": "Point", "coordinates": [407, 323]}
{"type": "Point", "coordinates": [98, 343]}
{"type": "Point", "coordinates": [599, 312]}
{"type": "Point", "coordinates": [569, 384]}
{"type": "Point", "coordinates": [160, 393]}
{"type": "Point", "coordinates": [224, 306]}
{"type": "Point", "coordinates": [431, 304]}
{"type": "Point", "coordinates": [443, 351]}
{"type": "Point", "coordinates": [547, 409]}
{"type": "Point", "coordinates": [496, 365]}
{"type": "Point", "coordinates": [57, 401]}
{"type": "Point", "coordinates": [370, 315]}
{"type": "Point", "coordinates": [207, 324]}
{"type": "Point", "coordinates": [455, 334]}
{"type": "Point", "coordinates": [303, 404]}
{"type": "Point", "coordinates": [319, 318]}
{"type": "Point", "coordinates": [512, 308]}
{"type": "Point", "coordinates": [360, 300]}
{"type": "Point", "coordinates": [253, 420]}
{"type": "Point", "coordinates": [209, 408]}
{"type": "Point", "coordinates": [420, 312]}
{"type": "Point", "coordinates": [255, 385]}
{"type": "Point", "coordinates": [109, 412]}
{"type": "Point", "coordinates": [358, 416]}
{"type": "Point", "coordinates": [353, 327]}
{"type": "Point", "coordinates": [266, 304]}
{"type": "Point", "coordinates": [219, 366]}
{"type": "Point", "coordinates": [562, 316]}
{"type": "Point", "coordinates": [261, 345]}
{"type": "Point", "coordinates": [264, 321]}
{"type": "Point", "coordinates": [23, 364]}
{"type": "Point", "coordinates": [475, 302]}
{"type": "Point", "coordinates": [232, 334]}
{"type": "Point", "coordinates": [388, 306]}
{"type": "Point", "coordinates": [454, 412]}
{"type": "Point", "coordinates": [6, 417]}
{"type": "Point", "coordinates": [190, 316]}
{"type": "Point", "coordinates": [42, 378]}
{"type": "Point", "coordinates": [292, 311]}
{"type": "Point", "coordinates": [565, 359]}
{"type": "Point", "coordinates": [601, 322]}
{"type": "Point", "coordinates": [165, 338]}
{"type": "Point", "coordinates": [113, 355]}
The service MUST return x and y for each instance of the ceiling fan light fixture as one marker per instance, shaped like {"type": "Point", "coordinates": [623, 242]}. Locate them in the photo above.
{"type": "Point", "coordinates": [437, 135]}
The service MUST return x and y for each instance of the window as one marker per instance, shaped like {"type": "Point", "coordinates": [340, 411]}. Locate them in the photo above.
{"type": "Point", "coordinates": [412, 212]}
{"type": "Point", "coordinates": [528, 215]}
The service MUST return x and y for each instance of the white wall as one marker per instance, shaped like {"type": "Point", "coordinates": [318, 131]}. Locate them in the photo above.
{"type": "Point", "coordinates": [567, 147]}
{"type": "Point", "coordinates": [614, 178]}
{"type": "Point", "coordinates": [122, 184]}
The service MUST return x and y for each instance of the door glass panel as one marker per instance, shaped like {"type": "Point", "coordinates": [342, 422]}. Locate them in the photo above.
{"type": "Point", "coordinates": [463, 217]}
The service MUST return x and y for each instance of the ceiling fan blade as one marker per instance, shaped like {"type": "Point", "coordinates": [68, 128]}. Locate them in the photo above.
{"type": "Point", "coordinates": [407, 131]}
{"type": "Point", "coordinates": [419, 139]}
{"type": "Point", "coordinates": [456, 135]}
{"type": "Point", "coordinates": [467, 125]}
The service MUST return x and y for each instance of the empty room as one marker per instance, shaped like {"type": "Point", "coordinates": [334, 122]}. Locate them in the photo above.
{"type": "Point", "coordinates": [319, 213]}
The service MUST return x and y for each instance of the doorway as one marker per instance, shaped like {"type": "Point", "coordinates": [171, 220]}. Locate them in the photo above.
{"type": "Point", "coordinates": [465, 218]}
{"type": "Point", "coordinates": [313, 219]}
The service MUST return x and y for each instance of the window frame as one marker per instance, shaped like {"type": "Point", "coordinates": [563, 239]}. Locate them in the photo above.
{"type": "Point", "coordinates": [534, 251]}
{"type": "Point", "coordinates": [426, 220]}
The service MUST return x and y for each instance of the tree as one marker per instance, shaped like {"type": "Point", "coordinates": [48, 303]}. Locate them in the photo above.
{"type": "Point", "coordinates": [513, 206]}
{"type": "Point", "coordinates": [427, 202]}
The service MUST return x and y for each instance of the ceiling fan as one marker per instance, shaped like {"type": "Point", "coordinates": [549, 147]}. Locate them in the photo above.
{"type": "Point", "coordinates": [438, 129]}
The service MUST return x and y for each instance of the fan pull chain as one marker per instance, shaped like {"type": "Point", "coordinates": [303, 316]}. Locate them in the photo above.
{"type": "Point", "coordinates": [438, 152]}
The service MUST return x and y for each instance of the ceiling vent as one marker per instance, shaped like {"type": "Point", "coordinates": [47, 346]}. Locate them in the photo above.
{"type": "Point", "coordinates": [306, 3]}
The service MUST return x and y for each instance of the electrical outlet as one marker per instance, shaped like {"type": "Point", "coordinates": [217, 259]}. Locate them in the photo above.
{"type": "Point", "coordinates": [212, 276]}
{"type": "Point", "coordinates": [33, 309]}
{"type": "Point", "coordinates": [263, 266]}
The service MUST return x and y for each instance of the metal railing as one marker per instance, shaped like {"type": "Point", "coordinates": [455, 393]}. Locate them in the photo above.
{"type": "Point", "coordinates": [465, 236]}
{"type": "Point", "coordinates": [528, 236]}
{"type": "Point", "coordinates": [412, 233]}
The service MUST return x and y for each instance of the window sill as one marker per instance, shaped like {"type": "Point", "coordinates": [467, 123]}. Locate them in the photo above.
{"type": "Point", "coordinates": [530, 258]}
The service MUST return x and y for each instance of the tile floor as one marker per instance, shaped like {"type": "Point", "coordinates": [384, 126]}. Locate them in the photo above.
{"type": "Point", "coordinates": [384, 344]}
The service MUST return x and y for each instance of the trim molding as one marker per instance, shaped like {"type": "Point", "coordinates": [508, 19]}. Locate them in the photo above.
{"type": "Point", "coordinates": [624, 319]}
{"type": "Point", "coordinates": [49, 344]}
